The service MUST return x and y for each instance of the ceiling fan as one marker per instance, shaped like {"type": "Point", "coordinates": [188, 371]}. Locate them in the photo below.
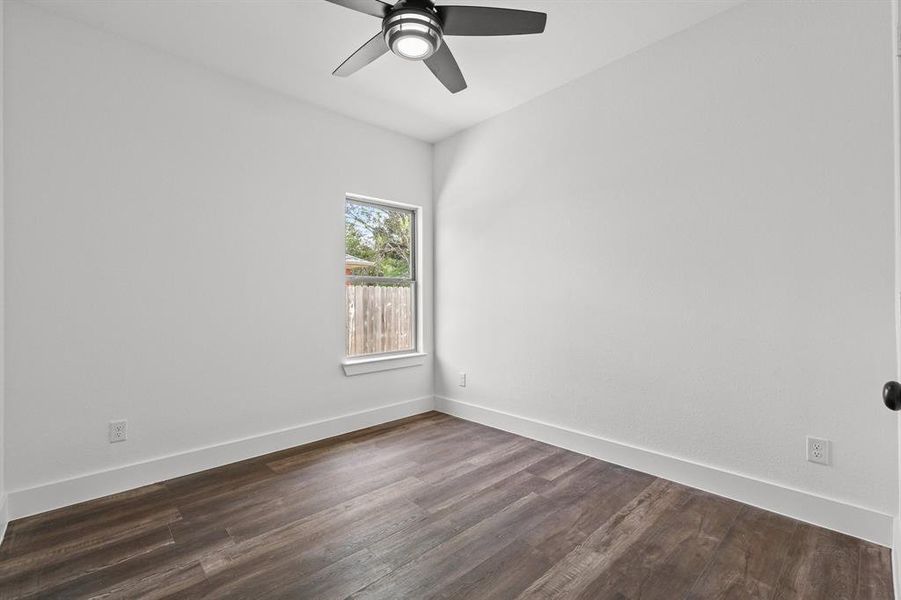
{"type": "Point", "coordinates": [415, 30]}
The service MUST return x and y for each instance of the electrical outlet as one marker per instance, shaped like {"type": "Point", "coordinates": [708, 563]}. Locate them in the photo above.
{"type": "Point", "coordinates": [118, 431]}
{"type": "Point", "coordinates": [462, 380]}
{"type": "Point", "coordinates": [818, 450]}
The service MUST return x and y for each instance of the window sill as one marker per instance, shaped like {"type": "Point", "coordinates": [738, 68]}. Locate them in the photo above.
{"type": "Point", "coordinates": [361, 366]}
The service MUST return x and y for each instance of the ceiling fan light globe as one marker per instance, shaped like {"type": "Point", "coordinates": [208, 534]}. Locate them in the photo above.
{"type": "Point", "coordinates": [413, 47]}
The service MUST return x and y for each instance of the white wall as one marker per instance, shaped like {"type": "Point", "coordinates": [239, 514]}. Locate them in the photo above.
{"type": "Point", "coordinates": [896, 85]}
{"type": "Point", "coordinates": [691, 250]}
{"type": "Point", "coordinates": [3, 506]}
{"type": "Point", "coordinates": [175, 253]}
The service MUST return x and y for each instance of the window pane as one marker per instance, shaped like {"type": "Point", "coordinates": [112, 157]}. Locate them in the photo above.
{"type": "Point", "coordinates": [378, 241]}
{"type": "Point", "coordinates": [379, 318]}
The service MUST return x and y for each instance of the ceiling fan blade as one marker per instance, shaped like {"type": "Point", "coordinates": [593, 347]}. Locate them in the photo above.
{"type": "Point", "coordinates": [444, 66]}
{"type": "Point", "coordinates": [485, 20]}
{"type": "Point", "coordinates": [376, 8]}
{"type": "Point", "coordinates": [366, 53]}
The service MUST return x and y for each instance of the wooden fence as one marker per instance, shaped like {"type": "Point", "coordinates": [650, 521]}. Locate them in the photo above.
{"type": "Point", "coordinates": [379, 319]}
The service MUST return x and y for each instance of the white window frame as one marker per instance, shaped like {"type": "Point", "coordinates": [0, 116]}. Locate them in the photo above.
{"type": "Point", "coordinates": [370, 363]}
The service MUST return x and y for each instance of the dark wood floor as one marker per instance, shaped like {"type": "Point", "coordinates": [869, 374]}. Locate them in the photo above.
{"type": "Point", "coordinates": [430, 507]}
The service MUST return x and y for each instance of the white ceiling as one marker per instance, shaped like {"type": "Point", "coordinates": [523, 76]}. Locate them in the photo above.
{"type": "Point", "coordinates": [293, 46]}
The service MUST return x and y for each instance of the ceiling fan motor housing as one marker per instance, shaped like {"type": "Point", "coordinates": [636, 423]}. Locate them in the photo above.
{"type": "Point", "coordinates": [413, 26]}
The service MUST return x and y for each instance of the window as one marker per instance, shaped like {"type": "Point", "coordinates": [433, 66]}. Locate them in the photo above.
{"type": "Point", "coordinates": [380, 279]}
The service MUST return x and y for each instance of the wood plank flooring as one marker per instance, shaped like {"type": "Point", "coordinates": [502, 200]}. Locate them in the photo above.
{"type": "Point", "coordinates": [430, 507]}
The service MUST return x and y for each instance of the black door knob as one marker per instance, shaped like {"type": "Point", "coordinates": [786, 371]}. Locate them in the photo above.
{"type": "Point", "coordinates": [891, 395]}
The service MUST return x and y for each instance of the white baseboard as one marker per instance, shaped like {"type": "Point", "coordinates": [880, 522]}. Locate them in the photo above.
{"type": "Point", "coordinates": [38, 499]}
{"type": "Point", "coordinates": [4, 516]}
{"type": "Point", "coordinates": [858, 521]}
{"type": "Point", "coordinates": [833, 514]}
{"type": "Point", "coordinates": [896, 556]}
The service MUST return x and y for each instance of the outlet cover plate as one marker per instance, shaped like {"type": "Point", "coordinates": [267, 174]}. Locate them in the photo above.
{"type": "Point", "coordinates": [818, 450]}
{"type": "Point", "coordinates": [118, 431]}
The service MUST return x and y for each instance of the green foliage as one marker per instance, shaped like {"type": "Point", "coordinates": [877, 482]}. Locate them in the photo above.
{"type": "Point", "coordinates": [381, 236]}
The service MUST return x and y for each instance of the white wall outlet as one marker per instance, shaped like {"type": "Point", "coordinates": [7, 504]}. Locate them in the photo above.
{"type": "Point", "coordinates": [118, 431]}
{"type": "Point", "coordinates": [818, 450]}
{"type": "Point", "coordinates": [462, 379]}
